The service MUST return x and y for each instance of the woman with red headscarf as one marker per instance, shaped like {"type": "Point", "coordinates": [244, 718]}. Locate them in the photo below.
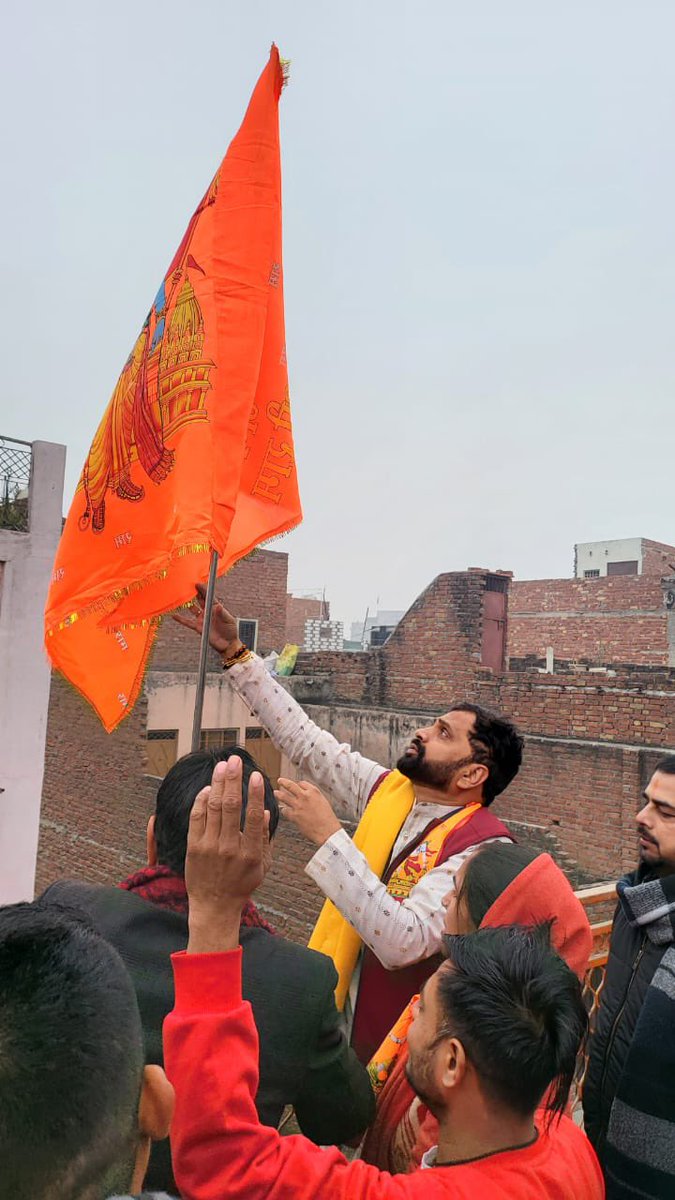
{"type": "Point", "coordinates": [501, 884]}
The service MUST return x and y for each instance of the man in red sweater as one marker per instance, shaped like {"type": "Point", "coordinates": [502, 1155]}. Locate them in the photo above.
{"type": "Point", "coordinates": [498, 1024]}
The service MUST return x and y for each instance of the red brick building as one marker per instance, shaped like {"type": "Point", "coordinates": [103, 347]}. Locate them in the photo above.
{"type": "Point", "coordinates": [617, 610]}
{"type": "Point", "coordinates": [255, 591]}
{"type": "Point", "coordinates": [615, 619]}
{"type": "Point", "coordinates": [658, 558]}
{"type": "Point", "coordinates": [623, 556]}
{"type": "Point", "coordinates": [300, 609]}
{"type": "Point", "coordinates": [99, 788]}
{"type": "Point", "coordinates": [592, 738]}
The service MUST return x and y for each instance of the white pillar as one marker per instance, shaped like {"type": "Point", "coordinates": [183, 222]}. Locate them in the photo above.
{"type": "Point", "coordinates": [26, 562]}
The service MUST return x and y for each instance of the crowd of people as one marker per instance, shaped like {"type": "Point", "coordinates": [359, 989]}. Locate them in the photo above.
{"type": "Point", "coordinates": [154, 1034]}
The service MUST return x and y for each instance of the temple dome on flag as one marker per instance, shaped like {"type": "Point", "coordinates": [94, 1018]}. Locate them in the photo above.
{"type": "Point", "coordinates": [184, 337]}
{"type": "Point", "coordinates": [180, 368]}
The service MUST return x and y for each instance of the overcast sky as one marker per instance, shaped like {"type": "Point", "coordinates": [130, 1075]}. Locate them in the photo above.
{"type": "Point", "coordinates": [479, 215]}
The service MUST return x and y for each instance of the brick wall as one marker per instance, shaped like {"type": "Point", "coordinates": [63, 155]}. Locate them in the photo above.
{"type": "Point", "coordinates": [588, 794]}
{"type": "Point", "coordinates": [177, 649]}
{"type": "Point", "coordinates": [617, 619]}
{"type": "Point", "coordinates": [288, 898]}
{"type": "Point", "coordinates": [628, 708]}
{"type": "Point", "coordinates": [300, 609]}
{"type": "Point", "coordinates": [436, 648]}
{"type": "Point", "coordinates": [95, 800]}
{"type": "Point", "coordinates": [591, 743]}
{"type": "Point", "coordinates": [657, 558]}
{"type": "Point", "coordinates": [582, 792]}
{"type": "Point", "coordinates": [431, 657]}
{"type": "Point", "coordinates": [96, 803]}
{"type": "Point", "coordinates": [591, 740]}
{"type": "Point", "coordinates": [590, 750]}
{"type": "Point", "coordinates": [254, 588]}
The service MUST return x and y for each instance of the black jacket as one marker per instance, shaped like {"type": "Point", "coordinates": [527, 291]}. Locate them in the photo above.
{"type": "Point", "coordinates": [633, 959]}
{"type": "Point", "coordinates": [304, 1058]}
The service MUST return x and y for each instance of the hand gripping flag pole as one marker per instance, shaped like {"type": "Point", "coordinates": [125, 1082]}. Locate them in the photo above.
{"type": "Point", "coordinates": [203, 653]}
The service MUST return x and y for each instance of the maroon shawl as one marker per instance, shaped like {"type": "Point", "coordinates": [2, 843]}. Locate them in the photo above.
{"type": "Point", "coordinates": [160, 886]}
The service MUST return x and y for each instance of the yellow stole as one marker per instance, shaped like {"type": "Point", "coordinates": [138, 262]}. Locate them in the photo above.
{"type": "Point", "coordinates": [375, 836]}
{"type": "Point", "coordinates": [424, 857]}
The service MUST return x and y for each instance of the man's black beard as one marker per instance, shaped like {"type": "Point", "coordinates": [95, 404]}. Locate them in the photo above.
{"type": "Point", "coordinates": [654, 864]}
{"type": "Point", "coordinates": [416, 768]}
{"type": "Point", "coordinates": [420, 1090]}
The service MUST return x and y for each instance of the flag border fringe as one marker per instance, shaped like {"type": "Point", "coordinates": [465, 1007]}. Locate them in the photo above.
{"type": "Point", "coordinates": [152, 624]}
{"type": "Point", "coordinates": [135, 691]}
{"type": "Point", "coordinates": [105, 603]}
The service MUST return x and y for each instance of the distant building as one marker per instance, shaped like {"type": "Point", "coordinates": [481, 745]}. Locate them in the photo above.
{"type": "Point", "coordinates": [619, 609]}
{"type": "Point", "coordinates": [380, 633]}
{"type": "Point", "coordinates": [623, 556]}
{"type": "Point", "coordinates": [300, 609]}
{"type": "Point", "coordinates": [323, 635]}
{"type": "Point", "coordinates": [386, 618]}
{"type": "Point", "coordinates": [592, 740]}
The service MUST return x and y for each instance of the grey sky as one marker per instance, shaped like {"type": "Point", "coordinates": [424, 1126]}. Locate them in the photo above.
{"type": "Point", "coordinates": [479, 257]}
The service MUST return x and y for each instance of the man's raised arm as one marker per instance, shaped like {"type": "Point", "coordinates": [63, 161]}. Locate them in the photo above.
{"type": "Point", "coordinates": [345, 774]}
{"type": "Point", "coordinates": [219, 1147]}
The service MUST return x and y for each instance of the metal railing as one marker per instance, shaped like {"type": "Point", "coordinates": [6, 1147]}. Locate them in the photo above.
{"type": "Point", "coordinates": [15, 467]}
{"type": "Point", "coordinates": [599, 902]}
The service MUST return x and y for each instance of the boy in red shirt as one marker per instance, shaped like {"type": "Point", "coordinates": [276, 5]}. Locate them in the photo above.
{"type": "Point", "coordinates": [497, 1025]}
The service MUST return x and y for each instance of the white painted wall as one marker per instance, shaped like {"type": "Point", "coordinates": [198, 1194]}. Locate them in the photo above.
{"type": "Point", "coordinates": [26, 562]}
{"type": "Point", "coordinates": [171, 702]}
{"type": "Point", "coordinates": [323, 635]}
{"type": "Point", "coordinates": [594, 556]}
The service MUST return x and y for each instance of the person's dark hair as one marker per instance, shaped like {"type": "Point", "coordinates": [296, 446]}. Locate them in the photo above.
{"type": "Point", "coordinates": [178, 791]}
{"type": "Point", "coordinates": [496, 744]}
{"type": "Point", "coordinates": [518, 1011]}
{"type": "Point", "coordinates": [71, 1059]}
{"type": "Point", "coordinates": [489, 872]}
{"type": "Point", "coordinates": [666, 766]}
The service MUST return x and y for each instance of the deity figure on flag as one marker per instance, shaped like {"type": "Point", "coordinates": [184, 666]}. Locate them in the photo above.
{"type": "Point", "coordinates": [138, 419]}
{"type": "Point", "coordinates": [129, 425]}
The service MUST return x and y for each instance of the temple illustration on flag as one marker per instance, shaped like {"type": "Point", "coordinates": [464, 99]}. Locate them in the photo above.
{"type": "Point", "coordinates": [178, 376]}
{"type": "Point", "coordinates": [162, 386]}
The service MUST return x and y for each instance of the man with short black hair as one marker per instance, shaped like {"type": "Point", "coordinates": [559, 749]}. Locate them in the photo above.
{"type": "Point", "coordinates": [499, 1025]}
{"type": "Point", "coordinates": [304, 1058]}
{"type": "Point", "coordinates": [629, 1094]}
{"type": "Point", "coordinates": [78, 1108]}
{"type": "Point", "coordinates": [382, 923]}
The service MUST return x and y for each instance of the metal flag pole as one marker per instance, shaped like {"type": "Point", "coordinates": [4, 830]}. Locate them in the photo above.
{"type": "Point", "coordinates": [203, 652]}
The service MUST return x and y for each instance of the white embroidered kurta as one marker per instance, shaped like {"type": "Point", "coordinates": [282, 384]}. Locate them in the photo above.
{"type": "Point", "coordinates": [399, 933]}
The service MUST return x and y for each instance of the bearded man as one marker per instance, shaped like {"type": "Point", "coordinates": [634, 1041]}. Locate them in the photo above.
{"type": "Point", "coordinates": [629, 1093]}
{"type": "Point", "coordinates": [382, 923]}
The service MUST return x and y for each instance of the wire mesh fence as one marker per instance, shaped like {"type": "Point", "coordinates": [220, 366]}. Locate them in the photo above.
{"type": "Point", "coordinates": [15, 466]}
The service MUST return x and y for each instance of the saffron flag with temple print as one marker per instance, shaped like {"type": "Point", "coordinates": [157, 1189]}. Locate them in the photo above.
{"type": "Point", "coordinates": [195, 449]}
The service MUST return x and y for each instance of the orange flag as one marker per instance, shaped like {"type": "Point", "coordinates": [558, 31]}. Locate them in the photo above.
{"type": "Point", "coordinates": [195, 448]}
